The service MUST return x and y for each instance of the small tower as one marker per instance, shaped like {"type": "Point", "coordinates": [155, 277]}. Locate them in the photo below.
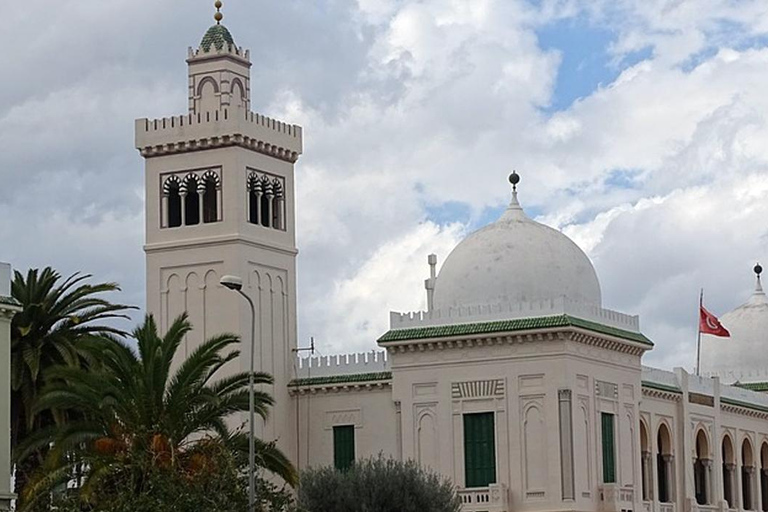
{"type": "Point", "coordinates": [220, 200]}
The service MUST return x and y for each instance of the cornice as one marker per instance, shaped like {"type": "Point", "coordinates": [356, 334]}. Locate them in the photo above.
{"type": "Point", "coordinates": [341, 383]}
{"type": "Point", "coordinates": [195, 243]}
{"type": "Point", "coordinates": [661, 392]}
{"type": "Point", "coordinates": [577, 335]}
{"type": "Point", "coordinates": [221, 141]}
{"type": "Point", "coordinates": [743, 408]}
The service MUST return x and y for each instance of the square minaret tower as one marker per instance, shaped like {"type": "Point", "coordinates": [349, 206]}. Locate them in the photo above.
{"type": "Point", "coordinates": [220, 200]}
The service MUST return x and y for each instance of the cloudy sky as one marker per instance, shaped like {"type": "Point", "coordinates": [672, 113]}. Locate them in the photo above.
{"type": "Point", "coordinates": [638, 127]}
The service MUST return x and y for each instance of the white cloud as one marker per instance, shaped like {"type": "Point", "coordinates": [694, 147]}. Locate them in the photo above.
{"type": "Point", "coordinates": [408, 105]}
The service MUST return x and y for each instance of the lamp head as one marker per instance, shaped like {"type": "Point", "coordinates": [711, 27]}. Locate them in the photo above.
{"type": "Point", "coordinates": [232, 282]}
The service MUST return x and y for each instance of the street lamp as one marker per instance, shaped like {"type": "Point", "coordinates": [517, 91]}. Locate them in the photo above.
{"type": "Point", "coordinates": [234, 283]}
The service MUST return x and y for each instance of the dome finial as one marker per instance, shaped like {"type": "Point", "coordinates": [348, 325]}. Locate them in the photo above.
{"type": "Point", "coordinates": [218, 16]}
{"type": "Point", "coordinates": [514, 179]}
{"type": "Point", "coordinates": [758, 270]}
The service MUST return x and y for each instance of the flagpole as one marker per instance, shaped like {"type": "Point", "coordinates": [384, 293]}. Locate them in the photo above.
{"type": "Point", "coordinates": [698, 341]}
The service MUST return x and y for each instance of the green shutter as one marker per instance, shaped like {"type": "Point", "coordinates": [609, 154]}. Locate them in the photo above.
{"type": "Point", "coordinates": [479, 450]}
{"type": "Point", "coordinates": [609, 449]}
{"type": "Point", "coordinates": [343, 447]}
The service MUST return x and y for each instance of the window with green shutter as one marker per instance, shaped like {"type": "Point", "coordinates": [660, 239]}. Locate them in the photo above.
{"type": "Point", "coordinates": [479, 449]}
{"type": "Point", "coordinates": [343, 447]}
{"type": "Point", "coordinates": [609, 448]}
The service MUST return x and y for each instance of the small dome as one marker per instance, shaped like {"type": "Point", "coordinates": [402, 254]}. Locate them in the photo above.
{"type": "Point", "coordinates": [743, 356]}
{"type": "Point", "coordinates": [515, 260]}
{"type": "Point", "coordinates": [216, 37]}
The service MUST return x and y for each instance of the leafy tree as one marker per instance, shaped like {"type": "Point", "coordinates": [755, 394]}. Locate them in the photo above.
{"type": "Point", "coordinates": [220, 486]}
{"type": "Point", "coordinates": [57, 320]}
{"type": "Point", "coordinates": [376, 485]}
{"type": "Point", "coordinates": [139, 416]}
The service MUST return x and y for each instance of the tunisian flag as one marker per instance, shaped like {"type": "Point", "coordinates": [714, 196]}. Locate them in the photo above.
{"type": "Point", "coordinates": [709, 324]}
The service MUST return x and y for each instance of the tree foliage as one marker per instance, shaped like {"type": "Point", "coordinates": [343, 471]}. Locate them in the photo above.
{"type": "Point", "coordinates": [139, 418]}
{"type": "Point", "coordinates": [376, 485]}
{"type": "Point", "coordinates": [59, 319]}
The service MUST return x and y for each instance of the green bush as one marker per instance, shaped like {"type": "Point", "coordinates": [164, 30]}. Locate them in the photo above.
{"type": "Point", "coordinates": [376, 485]}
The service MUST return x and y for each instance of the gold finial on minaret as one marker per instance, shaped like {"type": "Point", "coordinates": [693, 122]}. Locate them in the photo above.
{"type": "Point", "coordinates": [218, 16]}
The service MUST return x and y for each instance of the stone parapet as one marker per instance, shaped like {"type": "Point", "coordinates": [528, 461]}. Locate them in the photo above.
{"type": "Point", "coordinates": [509, 311]}
{"type": "Point", "coordinates": [342, 364]}
{"type": "Point", "coordinates": [219, 128]}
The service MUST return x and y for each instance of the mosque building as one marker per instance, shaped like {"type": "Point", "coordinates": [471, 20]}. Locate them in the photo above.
{"type": "Point", "coordinates": [516, 383]}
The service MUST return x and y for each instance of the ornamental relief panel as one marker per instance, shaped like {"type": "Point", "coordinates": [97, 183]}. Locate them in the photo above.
{"type": "Point", "coordinates": [343, 417]}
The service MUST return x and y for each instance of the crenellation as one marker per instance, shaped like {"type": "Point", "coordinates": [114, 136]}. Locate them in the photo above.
{"type": "Point", "coordinates": [342, 364]}
{"type": "Point", "coordinates": [190, 132]}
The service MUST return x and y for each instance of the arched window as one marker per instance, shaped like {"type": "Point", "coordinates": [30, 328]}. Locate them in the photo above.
{"type": "Point", "coordinates": [265, 214]}
{"type": "Point", "coordinates": [645, 461]}
{"type": "Point", "coordinates": [729, 467]}
{"type": "Point", "coordinates": [664, 464]}
{"type": "Point", "coordinates": [191, 201]}
{"type": "Point", "coordinates": [747, 472]}
{"type": "Point", "coordinates": [701, 467]}
{"type": "Point", "coordinates": [173, 202]}
{"type": "Point", "coordinates": [254, 198]}
{"type": "Point", "coordinates": [277, 205]}
{"type": "Point", "coordinates": [209, 190]}
{"type": "Point", "coordinates": [764, 476]}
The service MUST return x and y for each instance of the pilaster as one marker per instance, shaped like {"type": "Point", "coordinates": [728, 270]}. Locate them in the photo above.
{"type": "Point", "coordinates": [8, 308]}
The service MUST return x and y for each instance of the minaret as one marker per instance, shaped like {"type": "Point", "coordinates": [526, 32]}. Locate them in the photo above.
{"type": "Point", "coordinates": [220, 200]}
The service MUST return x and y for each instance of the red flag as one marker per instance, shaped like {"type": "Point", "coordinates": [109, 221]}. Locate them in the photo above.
{"type": "Point", "coordinates": [709, 324]}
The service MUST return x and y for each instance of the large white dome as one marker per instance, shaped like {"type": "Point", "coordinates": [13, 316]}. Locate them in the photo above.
{"type": "Point", "coordinates": [515, 260]}
{"type": "Point", "coordinates": [743, 356]}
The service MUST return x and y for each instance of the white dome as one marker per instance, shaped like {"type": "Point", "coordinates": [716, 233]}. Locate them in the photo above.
{"type": "Point", "coordinates": [743, 356]}
{"type": "Point", "coordinates": [515, 260]}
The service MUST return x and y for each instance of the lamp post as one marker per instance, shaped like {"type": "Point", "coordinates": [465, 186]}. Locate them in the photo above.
{"type": "Point", "coordinates": [234, 283]}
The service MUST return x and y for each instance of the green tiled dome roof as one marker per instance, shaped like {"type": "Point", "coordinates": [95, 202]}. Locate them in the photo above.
{"type": "Point", "coordinates": [216, 37]}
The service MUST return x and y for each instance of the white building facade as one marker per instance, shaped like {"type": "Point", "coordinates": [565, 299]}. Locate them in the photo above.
{"type": "Point", "coordinates": [8, 308]}
{"type": "Point", "coordinates": [516, 383]}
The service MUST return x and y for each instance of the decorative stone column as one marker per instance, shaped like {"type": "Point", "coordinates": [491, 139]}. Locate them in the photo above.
{"type": "Point", "coordinates": [730, 469]}
{"type": "Point", "coordinates": [8, 308]}
{"type": "Point", "coordinates": [707, 463]}
{"type": "Point", "coordinates": [750, 472]}
{"type": "Point", "coordinates": [669, 463]}
{"type": "Point", "coordinates": [647, 462]}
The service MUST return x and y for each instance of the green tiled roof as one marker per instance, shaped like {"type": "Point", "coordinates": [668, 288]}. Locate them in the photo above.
{"type": "Point", "coordinates": [753, 386]}
{"type": "Point", "coordinates": [341, 379]}
{"type": "Point", "coordinates": [660, 387]}
{"type": "Point", "coordinates": [217, 36]}
{"type": "Point", "coordinates": [747, 405]}
{"type": "Point", "coordinates": [519, 324]}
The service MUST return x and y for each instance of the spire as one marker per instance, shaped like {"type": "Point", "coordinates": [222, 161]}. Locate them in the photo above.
{"type": "Point", "coordinates": [218, 16]}
{"type": "Point", "coordinates": [759, 286]}
{"type": "Point", "coordinates": [514, 179]}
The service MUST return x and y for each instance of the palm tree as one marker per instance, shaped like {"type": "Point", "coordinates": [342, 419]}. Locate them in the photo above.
{"type": "Point", "coordinates": [58, 317]}
{"type": "Point", "coordinates": [138, 415]}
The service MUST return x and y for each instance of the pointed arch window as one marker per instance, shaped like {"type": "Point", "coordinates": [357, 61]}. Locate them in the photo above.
{"type": "Point", "coordinates": [266, 200]}
{"type": "Point", "coordinates": [189, 191]}
{"type": "Point", "coordinates": [747, 474]}
{"type": "Point", "coordinates": [209, 192]}
{"type": "Point", "coordinates": [664, 464]}
{"type": "Point", "coordinates": [701, 469]}
{"type": "Point", "coordinates": [172, 202]}
{"type": "Point", "coordinates": [729, 469]}
{"type": "Point", "coordinates": [764, 476]}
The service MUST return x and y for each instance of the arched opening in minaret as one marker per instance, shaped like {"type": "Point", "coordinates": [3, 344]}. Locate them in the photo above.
{"type": "Point", "coordinates": [664, 463]}
{"type": "Point", "coordinates": [265, 210]}
{"type": "Point", "coordinates": [747, 471]}
{"type": "Point", "coordinates": [729, 467]}
{"type": "Point", "coordinates": [255, 191]}
{"type": "Point", "coordinates": [701, 469]}
{"type": "Point", "coordinates": [210, 202]}
{"type": "Point", "coordinates": [191, 202]}
{"type": "Point", "coordinates": [174, 204]}
{"type": "Point", "coordinates": [277, 206]}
